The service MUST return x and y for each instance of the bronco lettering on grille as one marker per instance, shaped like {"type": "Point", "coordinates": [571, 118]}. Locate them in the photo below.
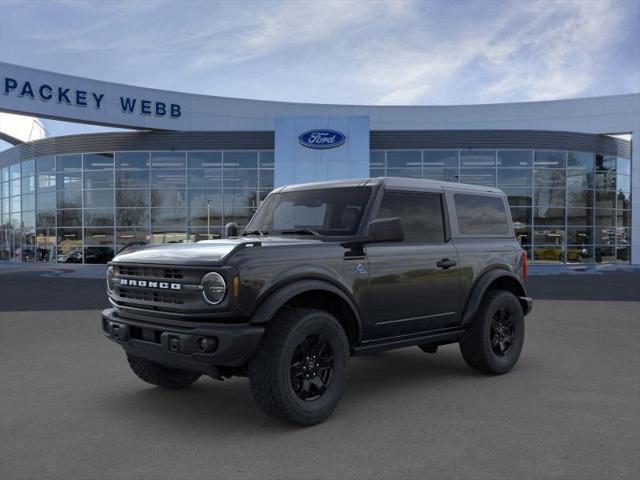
{"type": "Point", "coordinates": [149, 284]}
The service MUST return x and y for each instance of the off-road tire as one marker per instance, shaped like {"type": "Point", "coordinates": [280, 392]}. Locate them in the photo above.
{"type": "Point", "coordinates": [476, 345]}
{"type": "Point", "coordinates": [156, 374]}
{"type": "Point", "coordinates": [270, 368]}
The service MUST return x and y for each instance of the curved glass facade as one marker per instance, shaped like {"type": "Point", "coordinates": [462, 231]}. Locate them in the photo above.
{"type": "Point", "coordinates": [567, 207]}
{"type": "Point", "coordinates": [82, 208]}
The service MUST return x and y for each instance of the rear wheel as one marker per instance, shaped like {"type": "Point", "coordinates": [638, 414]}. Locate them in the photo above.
{"type": "Point", "coordinates": [156, 374]}
{"type": "Point", "coordinates": [299, 372]}
{"type": "Point", "coordinates": [494, 341]}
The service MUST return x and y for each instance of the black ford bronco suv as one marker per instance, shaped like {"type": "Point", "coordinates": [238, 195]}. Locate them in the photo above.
{"type": "Point", "coordinates": [322, 272]}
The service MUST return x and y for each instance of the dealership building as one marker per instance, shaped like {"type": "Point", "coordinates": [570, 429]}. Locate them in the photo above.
{"type": "Point", "coordinates": [192, 163]}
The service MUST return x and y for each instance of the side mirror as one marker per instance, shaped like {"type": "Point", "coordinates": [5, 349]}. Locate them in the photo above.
{"type": "Point", "coordinates": [385, 230]}
{"type": "Point", "coordinates": [231, 230]}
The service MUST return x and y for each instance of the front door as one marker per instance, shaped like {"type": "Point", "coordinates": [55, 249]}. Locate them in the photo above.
{"type": "Point", "coordinates": [414, 284]}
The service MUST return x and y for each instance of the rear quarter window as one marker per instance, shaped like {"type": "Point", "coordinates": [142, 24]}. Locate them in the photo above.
{"type": "Point", "coordinates": [481, 215]}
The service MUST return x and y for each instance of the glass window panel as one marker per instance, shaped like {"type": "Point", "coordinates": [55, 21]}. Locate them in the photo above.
{"type": "Point", "coordinates": [623, 237]}
{"type": "Point", "coordinates": [28, 184]}
{"type": "Point", "coordinates": [133, 198]}
{"type": "Point", "coordinates": [623, 183]}
{"type": "Point", "coordinates": [204, 159]}
{"type": "Point", "coordinates": [98, 161]}
{"type": "Point", "coordinates": [482, 215]}
{"type": "Point", "coordinates": [580, 236]}
{"type": "Point", "coordinates": [45, 253]}
{"type": "Point", "coordinates": [28, 253]}
{"type": "Point", "coordinates": [440, 158]}
{"type": "Point", "coordinates": [66, 199]}
{"type": "Point", "coordinates": [98, 236]}
{"type": "Point", "coordinates": [127, 237]}
{"type": "Point", "coordinates": [404, 172]}
{"type": "Point", "coordinates": [376, 172]}
{"type": "Point", "coordinates": [521, 215]}
{"type": "Point", "coordinates": [240, 178]}
{"type": "Point", "coordinates": [523, 234]}
{"type": "Point", "coordinates": [478, 176]}
{"type": "Point", "coordinates": [582, 160]}
{"type": "Point", "coordinates": [605, 180]}
{"type": "Point", "coordinates": [168, 179]}
{"type": "Point", "coordinates": [168, 159]}
{"type": "Point", "coordinates": [69, 162]}
{"type": "Point", "coordinates": [14, 204]}
{"type": "Point", "coordinates": [582, 254]}
{"type": "Point", "coordinates": [69, 180]}
{"type": "Point", "coordinates": [266, 179]}
{"type": "Point", "coordinates": [605, 199]}
{"type": "Point", "coordinates": [168, 217]}
{"type": "Point", "coordinates": [202, 198]}
{"type": "Point", "coordinates": [546, 197]}
{"type": "Point", "coordinates": [133, 216]}
{"type": "Point", "coordinates": [98, 217]}
{"type": "Point", "coordinates": [28, 168]}
{"type": "Point", "coordinates": [579, 178]}
{"type": "Point", "coordinates": [138, 160]}
{"type": "Point", "coordinates": [515, 158]}
{"type": "Point", "coordinates": [46, 201]}
{"type": "Point", "coordinates": [549, 236]}
{"type": "Point", "coordinates": [98, 179]}
{"type": "Point", "coordinates": [98, 199]}
{"type": "Point", "coordinates": [267, 159]}
{"type": "Point", "coordinates": [605, 217]}
{"type": "Point", "coordinates": [549, 178]}
{"type": "Point", "coordinates": [207, 178]}
{"type": "Point", "coordinates": [441, 174]}
{"type": "Point", "coordinates": [29, 202]}
{"type": "Point", "coordinates": [168, 235]}
{"type": "Point", "coordinates": [201, 216]}
{"type": "Point", "coordinates": [14, 187]}
{"type": "Point", "coordinates": [46, 236]}
{"type": "Point", "coordinates": [69, 245]}
{"type": "Point", "coordinates": [132, 178]}
{"type": "Point", "coordinates": [518, 197]}
{"type": "Point", "coordinates": [623, 166]}
{"type": "Point", "coordinates": [45, 165]}
{"type": "Point", "coordinates": [514, 176]}
{"type": "Point", "coordinates": [578, 197]}
{"type": "Point", "coordinates": [404, 158]}
{"type": "Point", "coordinates": [98, 254]}
{"type": "Point", "coordinates": [605, 163]}
{"type": "Point", "coordinates": [623, 200]}
{"type": "Point", "coordinates": [46, 219]}
{"type": "Point", "coordinates": [168, 198]}
{"type": "Point", "coordinates": [46, 181]}
{"type": "Point", "coordinates": [243, 198]}
{"type": "Point", "coordinates": [70, 218]}
{"type": "Point", "coordinates": [549, 216]}
{"type": "Point", "coordinates": [15, 220]}
{"type": "Point", "coordinates": [29, 221]}
{"type": "Point", "coordinates": [376, 159]}
{"type": "Point", "coordinates": [623, 254]}
{"type": "Point", "coordinates": [624, 218]}
{"type": "Point", "coordinates": [477, 158]}
{"type": "Point", "coordinates": [240, 159]}
{"type": "Point", "coordinates": [605, 254]}
{"type": "Point", "coordinates": [4, 174]}
{"type": "Point", "coordinates": [548, 254]}
{"type": "Point", "coordinates": [549, 159]}
{"type": "Point", "coordinates": [580, 216]}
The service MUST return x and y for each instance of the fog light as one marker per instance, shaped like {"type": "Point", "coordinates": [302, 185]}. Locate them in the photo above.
{"type": "Point", "coordinates": [206, 344]}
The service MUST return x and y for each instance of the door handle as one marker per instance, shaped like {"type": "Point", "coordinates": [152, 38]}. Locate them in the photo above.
{"type": "Point", "coordinates": [446, 263]}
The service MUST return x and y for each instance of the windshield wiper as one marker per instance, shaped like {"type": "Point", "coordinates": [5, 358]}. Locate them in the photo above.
{"type": "Point", "coordinates": [300, 231]}
{"type": "Point", "coordinates": [255, 232]}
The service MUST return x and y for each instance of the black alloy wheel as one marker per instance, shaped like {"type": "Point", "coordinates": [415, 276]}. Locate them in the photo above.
{"type": "Point", "coordinates": [501, 333]}
{"type": "Point", "coordinates": [312, 367]}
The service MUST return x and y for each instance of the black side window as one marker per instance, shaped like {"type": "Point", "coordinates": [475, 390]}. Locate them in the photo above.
{"type": "Point", "coordinates": [421, 215]}
{"type": "Point", "coordinates": [481, 215]}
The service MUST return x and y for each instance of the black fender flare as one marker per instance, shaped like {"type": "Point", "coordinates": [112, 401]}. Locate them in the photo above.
{"type": "Point", "coordinates": [282, 294]}
{"type": "Point", "coordinates": [480, 288]}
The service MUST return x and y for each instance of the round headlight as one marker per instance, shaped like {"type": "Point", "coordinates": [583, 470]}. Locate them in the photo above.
{"type": "Point", "coordinates": [214, 288]}
{"type": "Point", "coordinates": [111, 273]}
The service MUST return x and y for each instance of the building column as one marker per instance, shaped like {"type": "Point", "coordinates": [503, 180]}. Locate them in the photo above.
{"type": "Point", "coordinates": [635, 197]}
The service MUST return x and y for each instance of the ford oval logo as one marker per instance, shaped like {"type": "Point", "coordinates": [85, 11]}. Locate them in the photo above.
{"type": "Point", "coordinates": [322, 138]}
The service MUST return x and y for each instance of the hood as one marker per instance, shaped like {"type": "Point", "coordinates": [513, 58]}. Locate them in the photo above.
{"type": "Point", "coordinates": [202, 253]}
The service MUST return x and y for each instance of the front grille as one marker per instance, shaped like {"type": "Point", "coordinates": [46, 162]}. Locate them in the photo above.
{"type": "Point", "coordinates": [150, 272]}
{"type": "Point", "coordinates": [156, 296]}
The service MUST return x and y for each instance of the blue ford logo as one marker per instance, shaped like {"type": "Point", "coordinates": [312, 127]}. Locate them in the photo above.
{"type": "Point", "coordinates": [322, 138]}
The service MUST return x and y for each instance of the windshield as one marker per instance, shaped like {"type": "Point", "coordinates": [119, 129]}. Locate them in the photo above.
{"type": "Point", "coordinates": [324, 212]}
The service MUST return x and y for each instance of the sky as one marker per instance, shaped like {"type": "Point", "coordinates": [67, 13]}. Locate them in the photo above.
{"type": "Point", "coordinates": [395, 52]}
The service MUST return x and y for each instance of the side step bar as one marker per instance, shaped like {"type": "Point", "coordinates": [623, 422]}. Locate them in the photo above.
{"type": "Point", "coordinates": [440, 337]}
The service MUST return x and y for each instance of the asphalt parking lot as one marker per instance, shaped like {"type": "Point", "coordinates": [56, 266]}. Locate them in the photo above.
{"type": "Point", "coordinates": [71, 409]}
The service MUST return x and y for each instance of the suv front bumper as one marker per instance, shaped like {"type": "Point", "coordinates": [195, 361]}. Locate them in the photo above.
{"type": "Point", "coordinates": [200, 348]}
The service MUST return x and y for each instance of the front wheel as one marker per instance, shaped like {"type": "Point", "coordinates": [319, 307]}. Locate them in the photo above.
{"type": "Point", "coordinates": [156, 374]}
{"type": "Point", "coordinates": [494, 341]}
{"type": "Point", "coordinates": [299, 372]}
